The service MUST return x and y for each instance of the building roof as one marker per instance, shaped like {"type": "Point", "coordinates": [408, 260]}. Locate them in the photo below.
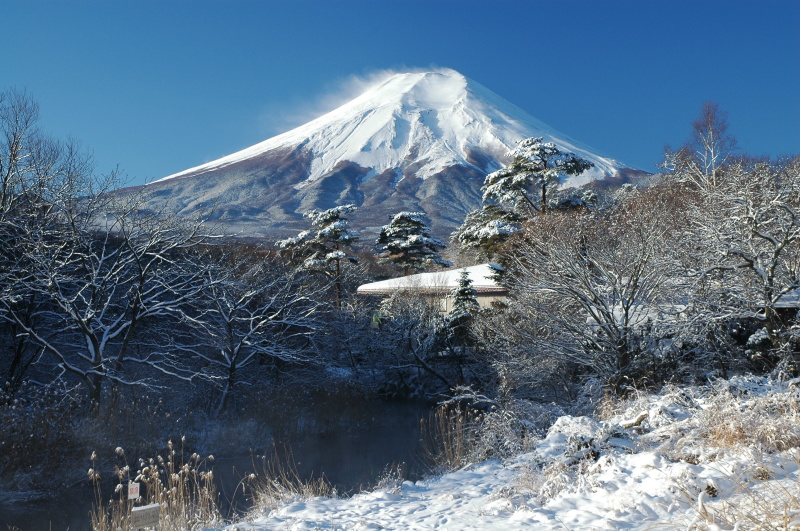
{"type": "Point", "coordinates": [482, 276]}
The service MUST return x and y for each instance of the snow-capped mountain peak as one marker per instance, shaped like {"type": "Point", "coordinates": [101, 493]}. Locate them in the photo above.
{"type": "Point", "coordinates": [429, 119]}
{"type": "Point", "coordinates": [419, 141]}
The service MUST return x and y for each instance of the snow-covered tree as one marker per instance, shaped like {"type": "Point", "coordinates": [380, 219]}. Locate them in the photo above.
{"type": "Point", "coordinates": [250, 315]}
{"type": "Point", "coordinates": [460, 318]}
{"type": "Point", "coordinates": [411, 335]}
{"type": "Point", "coordinates": [709, 150]}
{"type": "Point", "coordinates": [406, 242]}
{"type": "Point", "coordinates": [464, 296]}
{"type": "Point", "coordinates": [572, 199]}
{"type": "Point", "coordinates": [596, 291]}
{"type": "Point", "coordinates": [743, 225]}
{"type": "Point", "coordinates": [98, 288]}
{"type": "Point", "coordinates": [487, 228]}
{"type": "Point", "coordinates": [26, 155]}
{"type": "Point", "coordinates": [25, 158]}
{"type": "Point", "coordinates": [47, 194]}
{"type": "Point", "coordinates": [81, 273]}
{"type": "Point", "coordinates": [534, 164]}
{"type": "Point", "coordinates": [323, 247]}
{"type": "Point", "coordinates": [509, 194]}
{"type": "Point", "coordinates": [748, 231]}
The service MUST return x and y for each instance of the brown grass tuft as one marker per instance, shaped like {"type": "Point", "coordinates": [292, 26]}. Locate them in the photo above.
{"type": "Point", "coordinates": [769, 424]}
{"type": "Point", "coordinates": [277, 482]}
{"type": "Point", "coordinates": [449, 437]}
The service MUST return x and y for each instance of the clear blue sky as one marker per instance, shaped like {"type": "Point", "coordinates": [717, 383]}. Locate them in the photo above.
{"type": "Point", "coordinates": [160, 86]}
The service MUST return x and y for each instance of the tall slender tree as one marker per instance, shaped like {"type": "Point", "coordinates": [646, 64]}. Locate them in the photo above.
{"type": "Point", "coordinates": [710, 147]}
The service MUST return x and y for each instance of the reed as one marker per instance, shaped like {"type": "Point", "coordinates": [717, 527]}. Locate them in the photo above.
{"type": "Point", "coordinates": [182, 485]}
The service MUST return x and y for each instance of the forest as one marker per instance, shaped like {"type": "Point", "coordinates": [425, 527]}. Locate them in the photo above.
{"type": "Point", "coordinates": [114, 317]}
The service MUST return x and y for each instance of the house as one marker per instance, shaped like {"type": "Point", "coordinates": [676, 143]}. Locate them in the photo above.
{"type": "Point", "coordinates": [440, 284]}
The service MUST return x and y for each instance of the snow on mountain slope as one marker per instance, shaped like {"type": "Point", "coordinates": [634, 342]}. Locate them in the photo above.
{"type": "Point", "coordinates": [429, 120]}
{"type": "Point", "coordinates": [417, 142]}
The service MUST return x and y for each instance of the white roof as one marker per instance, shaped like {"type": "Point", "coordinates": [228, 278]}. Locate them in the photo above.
{"type": "Point", "coordinates": [482, 277]}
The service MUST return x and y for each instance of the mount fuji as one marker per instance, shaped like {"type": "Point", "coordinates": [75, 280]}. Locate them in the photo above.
{"type": "Point", "coordinates": [421, 141]}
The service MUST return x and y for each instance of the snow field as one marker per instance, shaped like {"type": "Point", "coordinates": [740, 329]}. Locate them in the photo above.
{"type": "Point", "coordinates": [656, 462]}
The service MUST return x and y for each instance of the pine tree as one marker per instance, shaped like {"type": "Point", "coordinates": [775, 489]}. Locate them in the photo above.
{"type": "Point", "coordinates": [458, 322]}
{"type": "Point", "coordinates": [509, 193]}
{"type": "Point", "coordinates": [486, 228]}
{"type": "Point", "coordinates": [407, 243]}
{"type": "Point", "coordinates": [322, 248]}
{"type": "Point", "coordinates": [533, 164]}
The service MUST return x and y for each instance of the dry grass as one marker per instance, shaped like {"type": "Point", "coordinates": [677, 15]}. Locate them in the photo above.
{"type": "Point", "coordinates": [449, 438]}
{"type": "Point", "coordinates": [277, 482]}
{"type": "Point", "coordinates": [392, 478]}
{"type": "Point", "coordinates": [770, 423]}
{"type": "Point", "coordinates": [737, 422]}
{"type": "Point", "coordinates": [182, 486]}
{"type": "Point", "coordinates": [456, 436]}
{"type": "Point", "coordinates": [541, 485]}
{"type": "Point", "coordinates": [764, 427]}
{"type": "Point", "coordinates": [759, 501]}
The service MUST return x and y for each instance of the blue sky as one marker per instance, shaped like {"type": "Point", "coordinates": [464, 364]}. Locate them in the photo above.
{"type": "Point", "coordinates": [159, 86]}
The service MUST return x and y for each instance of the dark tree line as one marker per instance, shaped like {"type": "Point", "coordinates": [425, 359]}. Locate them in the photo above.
{"type": "Point", "coordinates": [684, 278]}
{"type": "Point", "coordinates": [97, 291]}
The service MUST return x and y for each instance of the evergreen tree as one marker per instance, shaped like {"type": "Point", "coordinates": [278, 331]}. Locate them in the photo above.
{"type": "Point", "coordinates": [322, 248]}
{"type": "Point", "coordinates": [458, 323]}
{"type": "Point", "coordinates": [407, 243]}
{"type": "Point", "coordinates": [486, 228]}
{"type": "Point", "coordinates": [533, 164]}
{"type": "Point", "coordinates": [465, 302]}
{"type": "Point", "coordinates": [509, 193]}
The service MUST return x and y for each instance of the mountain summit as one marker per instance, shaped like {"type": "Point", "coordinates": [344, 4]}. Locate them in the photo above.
{"type": "Point", "coordinates": [412, 141]}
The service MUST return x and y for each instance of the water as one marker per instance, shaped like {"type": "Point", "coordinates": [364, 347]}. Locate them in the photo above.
{"type": "Point", "coordinates": [66, 510]}
{"type": "Point", "coordinates": [350, 444]}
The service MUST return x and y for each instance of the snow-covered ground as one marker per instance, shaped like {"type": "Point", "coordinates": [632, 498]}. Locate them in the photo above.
{"type": "Point", "coordinates": [720, 457]}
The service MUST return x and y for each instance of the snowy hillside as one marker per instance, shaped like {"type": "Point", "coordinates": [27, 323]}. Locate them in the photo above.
{"type": "Point", "coordinates": [429, 119]}
{"type": "Point", "coordinates": [719, 457]}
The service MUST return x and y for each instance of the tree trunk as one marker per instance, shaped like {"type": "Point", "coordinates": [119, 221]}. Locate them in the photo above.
{"type": "Point", "coordinates": [337, 284]}
{"type": "Point", "coordinates": [95, 394]}
{"type": "Point", "coordinates": [228, 391]}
